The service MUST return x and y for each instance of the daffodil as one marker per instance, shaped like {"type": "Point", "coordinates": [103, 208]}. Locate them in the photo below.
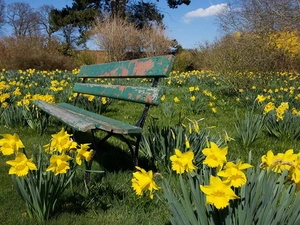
{"type": "Point", "coordinates": [191, 89]}
{"type": "Point", "coordinates": [218, 193]}
{"type": "Point", "coordinates": [215, 156]}
{"type": "Point", "coordinates": [182, 162]}
{"type": "Point", "coordinates": [269, 107]}
{"type": "Point", "coordinates": [295, 171]}
{"type": "Point", "coordinates": [83, 153]}
{"type": "Point", "coordinates": [176, 100]}
{"type": "Point", "coordinates": [193, 98]}
{"type": "Point", "coordinates": [21, 165]}
{"type": "Point", "coordinates": [59, 164]}
{"type": "Point", "coordinates": [261, 98]}
{"type": "Point", "coordinates": [10, 144]}
{"type": "Point", "coordinates": [269, 160]}
{"type": "Point", "coordinates": [279, 162]}
{"type": "Point", "coordinates": [61, 142]}
{"type": "Point", "coordinates": [143, 181]}
{"type": "Point", "coordinates": [233, 173]}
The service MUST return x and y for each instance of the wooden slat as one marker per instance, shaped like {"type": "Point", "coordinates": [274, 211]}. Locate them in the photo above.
{"type": "Point", "coordinates": [72, 119]}
{"type": "Point", "coordinates": [103, 122]}
{"type": "Point", "coordinates": [143, 95]}
{"type": "Point", "coordinates": [83, 120]}
{"type": "Point", "coordinates": [159, 66]}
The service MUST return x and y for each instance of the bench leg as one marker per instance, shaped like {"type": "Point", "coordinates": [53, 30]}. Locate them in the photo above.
{"type": "Point", "coordinates": [44, 123]}
{"type": "Point", "coordinates": [136, 151]}
{"type": "Point", "coordinates": [88, 165]}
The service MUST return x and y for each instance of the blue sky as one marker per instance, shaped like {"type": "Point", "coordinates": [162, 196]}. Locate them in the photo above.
{"type": "Point", "coordinates": [189, 25]}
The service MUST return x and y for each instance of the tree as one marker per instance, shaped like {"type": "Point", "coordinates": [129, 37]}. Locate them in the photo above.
{"type": "Point", "coordinates": [65, 21]}
{"type": "Point", "coordinates": [44, 19]}
{"type": "Point", "coordinates": [260, 17]}
{"type": "Point", "coordinates": [259, 36]}
{"type": "Point", "coordinates": [175, 3]}
{"type": "Point", "coordinates": [2, 15]}
{"type": "Point", "coordinates": [74, 22]}
{"type": "Point", "coordinates": [81, 16]}
{"type": "Point", "coordinates": [23, 19]}
{"type": "Point", "coordinates": [143, 14]}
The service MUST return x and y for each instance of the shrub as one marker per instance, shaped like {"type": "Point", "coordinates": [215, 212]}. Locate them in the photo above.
{"type": "Point", "coordinates": [122, 40]}
{"type": "Point", "coordinates": [33, 52]}
{"type": "Point", "coordinates": [246, 52]}
{"type": "Point", "coordinates": [188, 60]}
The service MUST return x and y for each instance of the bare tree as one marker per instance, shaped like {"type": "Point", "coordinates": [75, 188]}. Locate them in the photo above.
{"type": "Point", "coordinates": [155, 40]}
{"type": "Point", "coordinates": [2, 13]}
{"type": "Point", "coordinates": [116, 36]}
{"type": "Point", "coordinates": [23, 19]}
{"type": "Point", "coordinates": [44, 19]}
{"type": "Point", "coordinates": [260, 16]}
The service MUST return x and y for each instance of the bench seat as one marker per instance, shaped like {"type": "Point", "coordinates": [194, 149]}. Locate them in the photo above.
{"type": "Point", "coordinates": [83, 120]}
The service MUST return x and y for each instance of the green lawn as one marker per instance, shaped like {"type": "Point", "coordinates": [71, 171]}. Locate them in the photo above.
{"type": "Point", "coordinates": [111, 199]}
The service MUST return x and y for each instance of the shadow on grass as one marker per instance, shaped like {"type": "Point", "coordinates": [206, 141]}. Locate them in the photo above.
{"type": "Point", "coordinates": [113, 155]}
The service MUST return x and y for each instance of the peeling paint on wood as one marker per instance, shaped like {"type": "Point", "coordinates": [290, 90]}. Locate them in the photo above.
{"type": "Point", "coordinates": [159, 66]}
{"type": "Point", "coordinates": [143, 95]}
{"type": "Point", "coordinates": [83, 120]}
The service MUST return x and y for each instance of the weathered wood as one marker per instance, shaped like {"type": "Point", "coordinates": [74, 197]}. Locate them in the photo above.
{"type": "Point", "coordinates": [159, 66]}
{"type": "Point", "coordinates": [83, 120]}
{"type": "Point", "coordinates": [144, 95]}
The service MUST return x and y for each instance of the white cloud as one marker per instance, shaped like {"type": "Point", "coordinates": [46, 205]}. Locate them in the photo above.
{"type": "Point", "coordinates": [210, 11]}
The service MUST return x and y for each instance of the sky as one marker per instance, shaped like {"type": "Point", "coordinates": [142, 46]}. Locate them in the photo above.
{"type": "Point", "coordinates": [190, 25]}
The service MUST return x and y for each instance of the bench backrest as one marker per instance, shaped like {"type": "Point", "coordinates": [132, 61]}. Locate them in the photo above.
{"type": "Point", "coordinates": [159, 66]}
{"type": "Point", "coordinates": [153, 67]}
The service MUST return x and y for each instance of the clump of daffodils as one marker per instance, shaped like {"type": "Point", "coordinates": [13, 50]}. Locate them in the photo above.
{"type": "Point", "coordinates": [220, 191]}
{"type": "Point", "coordinates": [60, 148]}
{"type": "Point", "coordinates": [42, 179]}
{"type": "Point", "coordinates": [280, 110]}
{"type": "Point", "coordinates": [283, 161]}
{"type": "Point", "coordinates": [181, 162]}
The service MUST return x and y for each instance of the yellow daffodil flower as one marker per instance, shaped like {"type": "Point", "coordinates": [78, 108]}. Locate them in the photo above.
{"type": "Point", "coordinates": [278, 162]}
{"type": "Point", "coordinates": [260, 98]}
{"type": "Point", "coordinates": [143, 181]}
{"type": "Point", "coordinates": [218, 193]}
{"type": "Point", "coordinates": [295, 171]}
{"type": "Point", "coordinates": [176, 100]}
{"type": "Point", "coordinates": [233, 173]}
{"type": "Point", "coordinates": [215, 156]}
{"type": "Point", "coordinates": [21, 165]}
{"type": "Point", "coordinates": [182, 162]}
{"type": "Point", "coordinates": [269, 107]}
{"type": "Point", "coordinates": [10, 144]}
{"type": "Point", "coordinates": [83, 153]}
{"type": "Point", "coordinates": [59, 164]}
{"type": "Point", "coordinates": [103, 100]}
{"type": "Point", "coordinates": [61, 142]}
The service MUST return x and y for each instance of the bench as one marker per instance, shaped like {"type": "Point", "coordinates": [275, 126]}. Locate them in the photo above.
{"type": "Point", "coordinates": [79, 119]}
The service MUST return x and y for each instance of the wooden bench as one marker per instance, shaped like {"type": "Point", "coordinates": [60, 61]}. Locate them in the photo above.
{"type": "Point", "coordinates": [80, 119]}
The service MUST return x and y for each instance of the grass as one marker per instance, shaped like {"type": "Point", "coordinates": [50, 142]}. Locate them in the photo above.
{"type": "Point", "coordinates": [111, 199]}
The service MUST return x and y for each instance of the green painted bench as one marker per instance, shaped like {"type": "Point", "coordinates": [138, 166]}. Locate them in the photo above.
{"type": "Point", "coordinates": [82, 120]}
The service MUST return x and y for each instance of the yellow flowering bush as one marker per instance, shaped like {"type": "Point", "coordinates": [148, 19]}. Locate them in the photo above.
{"type": "Point", "coordinates": [42, 179]}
